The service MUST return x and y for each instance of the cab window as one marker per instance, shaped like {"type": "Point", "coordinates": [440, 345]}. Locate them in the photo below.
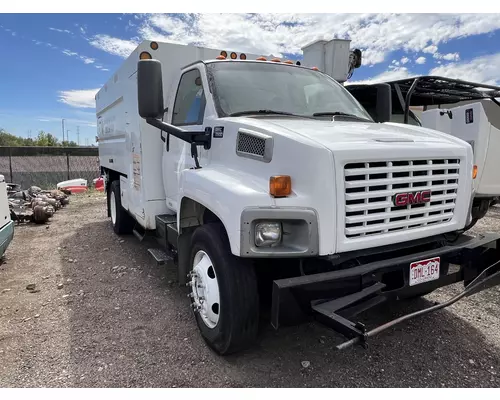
{"type": "Point", "coordinates": [189, 106]}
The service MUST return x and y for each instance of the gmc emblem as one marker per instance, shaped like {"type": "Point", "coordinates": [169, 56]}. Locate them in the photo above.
{"type": "Point", "coordinates": [403, 199]}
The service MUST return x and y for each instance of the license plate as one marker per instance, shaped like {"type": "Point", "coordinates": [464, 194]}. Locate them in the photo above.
{"type": "Point", "coordinates": [424, 271]}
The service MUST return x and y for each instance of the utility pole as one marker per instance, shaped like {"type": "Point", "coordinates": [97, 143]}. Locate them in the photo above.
{"type": "Point", "coordinates": [63, 128]}
{"type": "Point", "coordinates": [78, 135]}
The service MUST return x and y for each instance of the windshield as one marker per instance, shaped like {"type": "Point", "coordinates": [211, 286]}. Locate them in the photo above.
{"type": "Point", "coordinates": [239, 87]}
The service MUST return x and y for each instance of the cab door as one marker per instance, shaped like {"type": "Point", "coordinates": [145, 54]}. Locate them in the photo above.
{"type": "Point", "coordinates": [188, 112]}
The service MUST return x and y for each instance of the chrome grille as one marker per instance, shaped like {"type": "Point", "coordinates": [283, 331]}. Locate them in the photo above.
{"type": "Point", "coordinates": [370, 188]}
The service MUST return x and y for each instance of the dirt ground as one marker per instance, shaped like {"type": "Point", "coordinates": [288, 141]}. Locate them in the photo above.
{"type": "Point", "coordinates": [103, 315]}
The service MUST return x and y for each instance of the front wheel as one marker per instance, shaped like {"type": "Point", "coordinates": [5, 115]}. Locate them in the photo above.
{"type": "Point", "coordinates": [224, 292]}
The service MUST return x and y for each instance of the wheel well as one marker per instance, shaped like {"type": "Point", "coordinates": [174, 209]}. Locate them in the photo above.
{"type": "Point", "coordinates": [191, 215]}
{"type": "Point", "coordinates": [110, 177]}
{"type": "Point", "coordinates": [194, 214]}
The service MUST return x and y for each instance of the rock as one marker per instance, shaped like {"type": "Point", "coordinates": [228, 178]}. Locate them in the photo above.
{"type": "Point", "coordinates": [37, 315]}
{"type": "Point", "coordinates": [305, 364]}
{"type": "Point", "coordinates": [45, 277]}
{"type": "Point", "coordinates": [6, 290]}
{"type": "Point", "coordinates": [65, 296]}
{"type": "Point", "coordinates": [70, 260]}
{"type": "Point", "coordinates": [60, 285]}
{"type": "Point", "coordinates": [105, 249]}
{"type": "Point", "coordinates": [122, 241]}
{"type": "Point", "coordinates": [30, 286]}
{"type": "Point", "coordinates": [471, 361]}
{"type": "Point", "coordinates": [321, 340]}
{"type": "Point", "coordinates": [100, 369]}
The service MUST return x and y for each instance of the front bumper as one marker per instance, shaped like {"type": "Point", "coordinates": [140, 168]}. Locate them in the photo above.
{"type": "Point", "coordinates": [333, 297]}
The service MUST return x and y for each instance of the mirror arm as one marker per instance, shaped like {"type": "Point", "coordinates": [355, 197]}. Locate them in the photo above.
{"type": "Point", "coordinates": [197, 138]}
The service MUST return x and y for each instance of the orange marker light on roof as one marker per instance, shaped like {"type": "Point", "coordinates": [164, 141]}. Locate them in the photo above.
{"type": "Point", "coordinates": [220, 58]}
{"type": "Point", "coordinates": [243, 56]}
{"type": "Point", "coordinates": [234, 56]}
{"type": "Point", "coordinates": [276, 60]}
{"type": "Point", "coordinates": [288, 62]}
{"type": "Point", "coordinates": [474, 172]}
{"type": "Point", "coordinates": [223, 53]}
{"type": "Point", "coordinates": [154, 45]}
{"type": "Point", "coordinates": [280, 186]}
{"type": "Point", "coordinates": [315, 68]}
{"type": "Point", "coordinates": [261, 59]}
{"type": "Point", "coordinates": [145, 56]}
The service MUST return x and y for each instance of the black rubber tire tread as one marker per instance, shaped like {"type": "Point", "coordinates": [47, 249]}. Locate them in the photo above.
{"type": "Point", "coordinates": [124, 222]}
{"type": "Point", "coordinates": [238, 324]}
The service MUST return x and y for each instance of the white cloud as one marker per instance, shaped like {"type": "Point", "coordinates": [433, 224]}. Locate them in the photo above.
{"type": "Point", "coordinates": [420, 60]}
{"type": "Point", "coordinates": [70, 53]}
{"type": "Point", "coordinates": [484, 69]}
{"type": "Point", "coordinates": [391, 75]}
{"type": "Point", "coordinates": [112, 45]}
{"type": "Point", "coordinates": [447, 57]}
{"type": "Point", "coordinates": [73, 121]}
{"type": "Point", "coordinates": [78, 98]}
{"type": "Point", "coordinates": [376, 34]}
{"type": "Point", "coordinates": [86, 60]}
{"type": "Point", "coordinates": [404, 60]}
{"type": "Point", "coordinates": [61, 30]}
{"type": "Point", "coordinates": [430, 49]}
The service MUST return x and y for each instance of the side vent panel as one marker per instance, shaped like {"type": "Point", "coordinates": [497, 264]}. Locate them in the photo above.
{"type": "Point", "coordinates": [254, 145]}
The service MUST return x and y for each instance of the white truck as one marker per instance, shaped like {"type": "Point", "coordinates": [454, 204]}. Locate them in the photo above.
{"type": "Point", "coordinates": [271, 188]}
{"type": "Point", "coordinates": [467, 110]}
{"type": "Point", "coordinates": [6, 223]}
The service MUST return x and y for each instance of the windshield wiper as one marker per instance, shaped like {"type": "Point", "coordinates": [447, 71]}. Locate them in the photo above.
{"type": "Point", "coordinates": [269, 112]}
{"type": "Point", "coordinates": [340, 113]}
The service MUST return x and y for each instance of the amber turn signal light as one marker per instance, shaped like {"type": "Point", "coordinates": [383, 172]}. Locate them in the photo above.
{"type": "Point", "coordinates": [474, 172]}
{"type": "Point", "coordinates": [280, 186]}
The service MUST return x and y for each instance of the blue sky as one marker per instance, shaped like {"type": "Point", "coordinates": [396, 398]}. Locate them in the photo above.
{"type": "Point", "coordinates": [52, 64]}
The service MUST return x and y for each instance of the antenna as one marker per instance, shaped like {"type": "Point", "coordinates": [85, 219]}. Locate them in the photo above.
{"type": "Point", "coordinates": [63, 129]}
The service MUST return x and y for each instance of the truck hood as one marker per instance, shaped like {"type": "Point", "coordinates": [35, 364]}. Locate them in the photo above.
{"type": "Point", "coordinates": [329, 133]}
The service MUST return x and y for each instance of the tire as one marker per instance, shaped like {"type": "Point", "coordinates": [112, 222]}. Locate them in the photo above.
{"type": "Point", "coordinates": [237, 313]}
{"type": "Point", "coordinates": [121, 220]}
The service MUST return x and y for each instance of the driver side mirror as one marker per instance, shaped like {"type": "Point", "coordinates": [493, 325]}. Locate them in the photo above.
{"type": "Point", "coordinates": [150, 89]}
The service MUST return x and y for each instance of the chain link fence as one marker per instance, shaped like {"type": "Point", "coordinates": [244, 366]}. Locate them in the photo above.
{"type": "Point", "coordinates": [46, 166]}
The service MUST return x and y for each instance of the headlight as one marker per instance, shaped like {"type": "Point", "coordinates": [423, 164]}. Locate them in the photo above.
{"type": "Point", "coordinates": [267, 234]}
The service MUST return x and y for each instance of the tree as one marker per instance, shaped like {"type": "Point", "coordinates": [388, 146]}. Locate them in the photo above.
{"type": "Point", "coordinates": [42, 139]}
{"type": "Point", "coordinates": [6, 139]}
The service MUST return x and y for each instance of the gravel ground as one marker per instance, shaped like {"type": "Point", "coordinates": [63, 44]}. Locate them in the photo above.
{"type": "Point", "coordinates": [103, 315]}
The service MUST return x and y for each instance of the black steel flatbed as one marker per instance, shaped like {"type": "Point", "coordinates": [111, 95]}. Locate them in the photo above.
{"type": "Point", "coordinates": [336, 296]}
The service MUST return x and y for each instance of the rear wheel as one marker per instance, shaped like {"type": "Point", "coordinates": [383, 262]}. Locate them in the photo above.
{"type": "Point", "coordinates": [121, 220]}
{"type": "Point", "coordinates": [224, 292]}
